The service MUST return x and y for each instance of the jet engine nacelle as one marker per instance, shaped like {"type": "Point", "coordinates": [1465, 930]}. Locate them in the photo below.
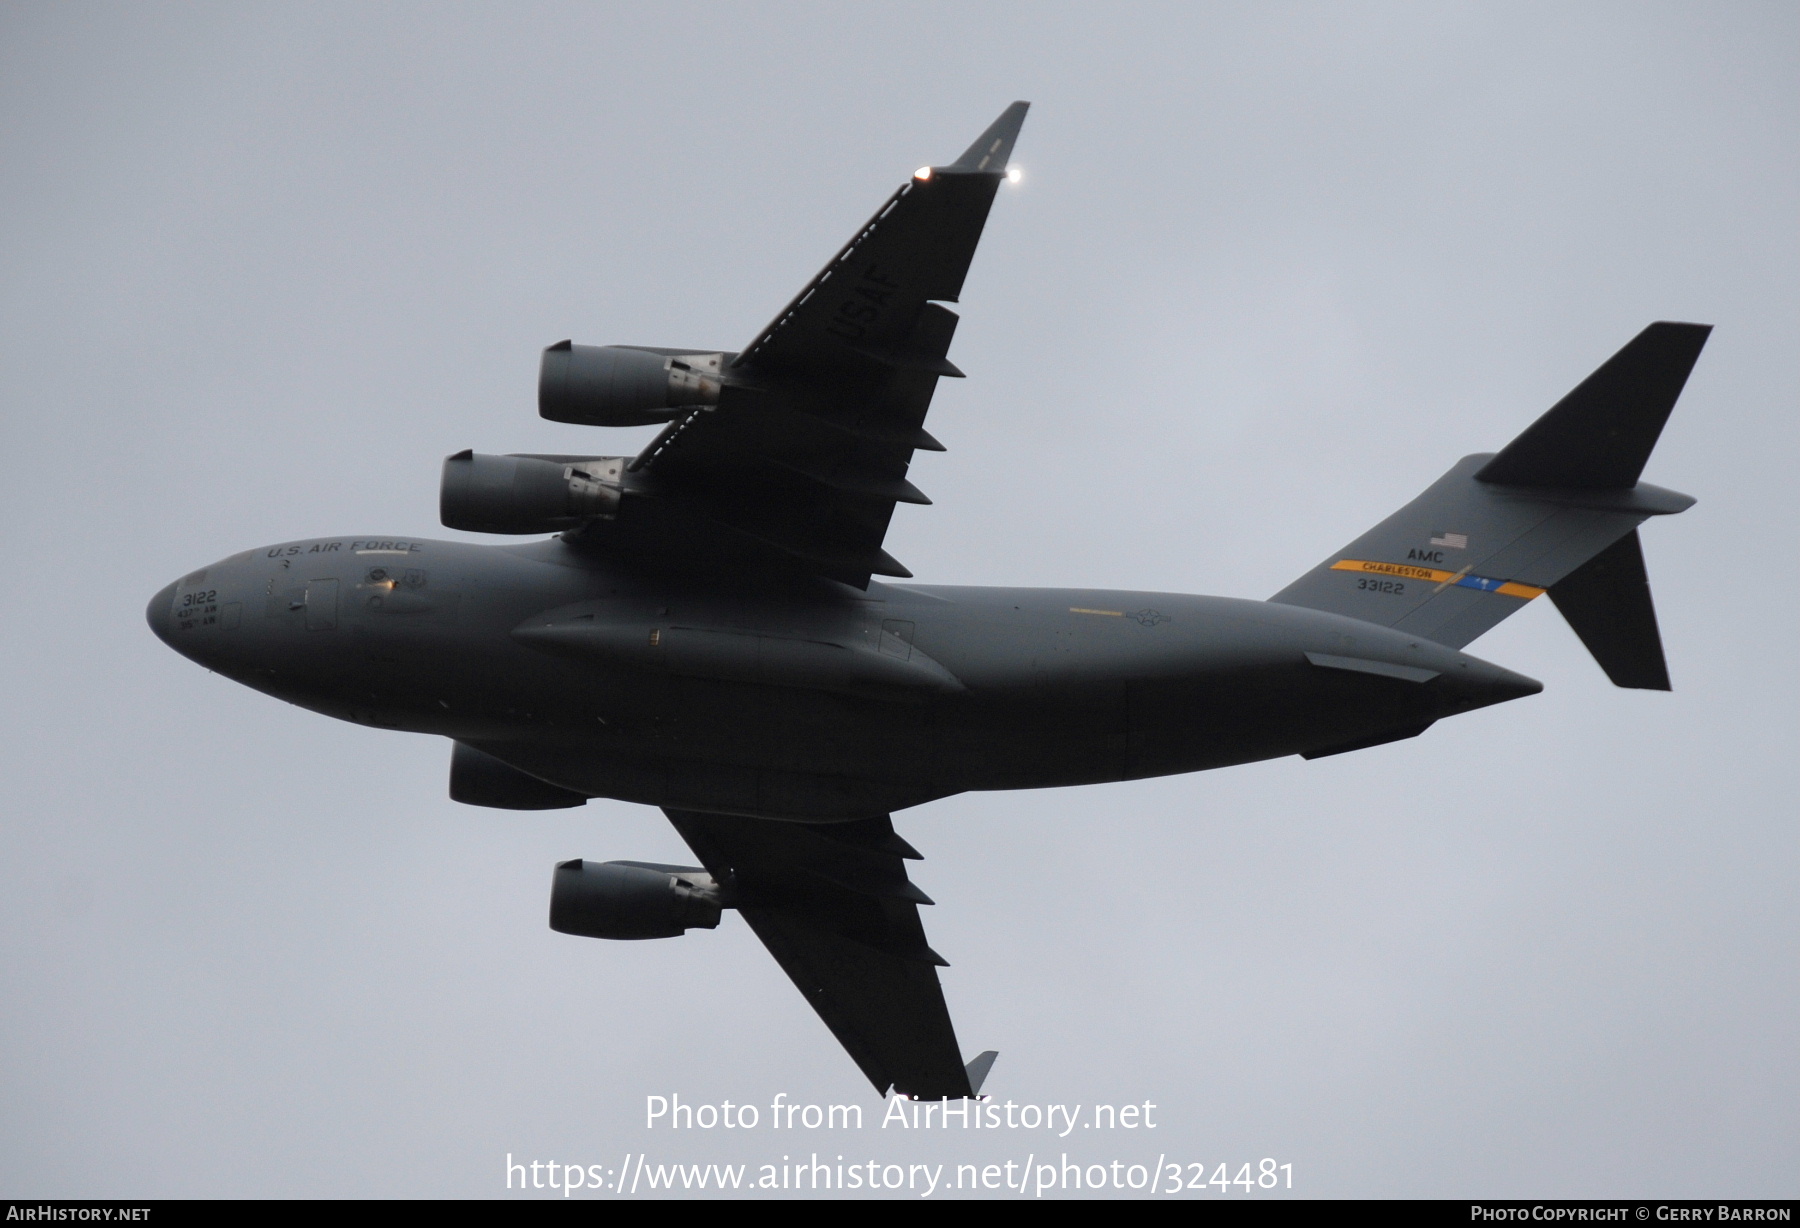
{"type": "Point", "coordinates": [624, 385]}
{"type": "Point", "coordinates": [528, 494]}
{"type": "Point", "coordinates": [631, 899]}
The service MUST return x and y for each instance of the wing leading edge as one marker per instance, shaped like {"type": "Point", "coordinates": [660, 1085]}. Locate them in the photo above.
{"type": "Point", "coordinates": [807, 450]}
{"type": "Point", "coordinates": [834, 906]}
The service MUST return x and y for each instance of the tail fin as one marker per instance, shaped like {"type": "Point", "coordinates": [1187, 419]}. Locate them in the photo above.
{"type": "Point", "coordinates": [1554, 511]}
{"type": "Point", "coordinates": [1607, 601]}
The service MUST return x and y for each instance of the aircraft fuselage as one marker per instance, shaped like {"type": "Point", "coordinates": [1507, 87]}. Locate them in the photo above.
{"type": "Point", "coordinates": [799, 699]}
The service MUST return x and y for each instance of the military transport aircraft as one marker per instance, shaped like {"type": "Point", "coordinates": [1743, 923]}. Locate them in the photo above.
{"type": "Point", "coordinates": [704, 631]}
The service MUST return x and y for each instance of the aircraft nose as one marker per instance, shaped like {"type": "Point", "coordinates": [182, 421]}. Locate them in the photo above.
{"type": "Point", "coordinates": [157, 613]}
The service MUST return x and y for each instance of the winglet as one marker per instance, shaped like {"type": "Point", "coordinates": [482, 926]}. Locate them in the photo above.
{"type": "Point", "coordinates": [992, 148]}
{"type": "Point", "coordinates": [978, 1069]}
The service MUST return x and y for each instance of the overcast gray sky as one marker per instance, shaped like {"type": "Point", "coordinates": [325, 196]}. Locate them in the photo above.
{"type": "Point", "coordinates": [1270, 270]}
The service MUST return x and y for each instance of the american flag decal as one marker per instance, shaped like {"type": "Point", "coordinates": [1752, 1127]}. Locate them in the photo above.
{"type": "Point", "coordinates": [1455, 541]}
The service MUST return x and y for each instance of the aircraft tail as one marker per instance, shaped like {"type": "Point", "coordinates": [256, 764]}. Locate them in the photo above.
{"type": "Point", "coordinates": [1556, 511]}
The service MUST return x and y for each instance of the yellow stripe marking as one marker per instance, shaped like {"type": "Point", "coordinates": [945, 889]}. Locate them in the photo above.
{"type": "Point", "coordinates": [1075, 609]}
{"type": "Point", "coordinates": [1391, 569]}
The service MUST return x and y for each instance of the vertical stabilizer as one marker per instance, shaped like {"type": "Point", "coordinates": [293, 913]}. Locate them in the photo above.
{"type": "Point", "coordinates": [1607, 601]}
{"type": "Point", "coordinates": [1556, 510]}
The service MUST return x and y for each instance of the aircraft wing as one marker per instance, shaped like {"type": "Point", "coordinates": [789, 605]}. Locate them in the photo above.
{"type": "Point", "coordinates": [808, 447]}
{"type": "Point", "coordinates": [833, 904]}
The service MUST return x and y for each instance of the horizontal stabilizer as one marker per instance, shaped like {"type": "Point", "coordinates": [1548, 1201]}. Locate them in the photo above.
{"type": "Point", "coordinates": [1599, 436]}
{"type": "Point", "coordinates": [978, 1069]}
{"type": "Point", "coordinates": [1607, 601]}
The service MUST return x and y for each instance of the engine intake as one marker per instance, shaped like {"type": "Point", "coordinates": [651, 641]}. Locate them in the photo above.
{"type": "Point", "coordinates": [623, 385]}
{"type": "Point", "coordinates": [631, 899]}
{"type": "Point", "coordinates": [528, 494]}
